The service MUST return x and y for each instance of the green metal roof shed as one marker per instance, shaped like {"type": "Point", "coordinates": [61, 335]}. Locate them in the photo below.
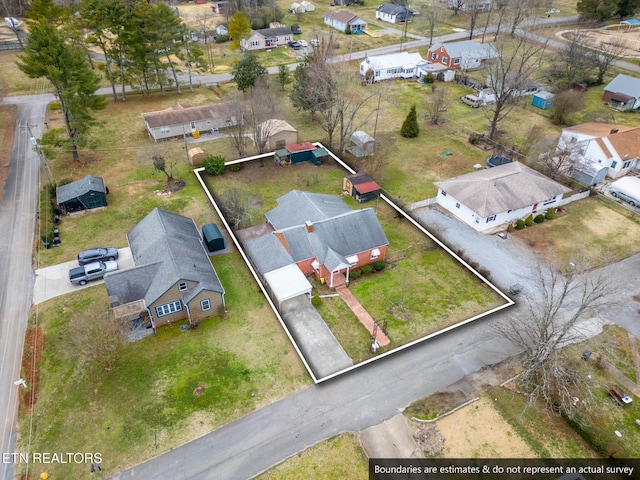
{"type": "Point", "coordinates": [212, 237]}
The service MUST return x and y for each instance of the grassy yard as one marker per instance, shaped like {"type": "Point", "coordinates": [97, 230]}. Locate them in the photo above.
{"type": "Point", "coordinates": [601, 231]}
{"type": "Point", "coordinates": [422, 290]}
{"type": "Point", "coordinates": [146, 404]}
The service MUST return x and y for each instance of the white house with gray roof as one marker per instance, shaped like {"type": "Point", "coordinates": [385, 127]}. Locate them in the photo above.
{"type": "Point", "coordinates": [393, 65]}
{"type": "Point", "coordinates": [181, 120]}
{"type": "Point", "coordinates": [487, 200]}
{"type": "Point", "coordinates": [172, 278]}
{"type": "Point", "coordinates": [389, 12]}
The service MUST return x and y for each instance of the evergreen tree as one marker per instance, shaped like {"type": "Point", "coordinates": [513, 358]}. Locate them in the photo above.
{"type": "Point", "coordinates": [410, 127]}
{"type": "Point", "coordinates": [49, 54]}
{"type": "Point", "coordinates": [247, 70]}
{"type": "Point", "coordinates": [284, 78]}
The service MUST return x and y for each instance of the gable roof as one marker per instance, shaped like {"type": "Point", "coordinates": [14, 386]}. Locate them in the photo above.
{"type": "Point", "coordinates": [297, 207]}
{"type": "Point", "coordinates": [625, 84]}
{"type": "Point", "coordinates": [625, 141]}
{"type": "Point", "coordinates": [391, 9]}
{"type": "Point", "coordinates": [596, 129]}
{"type": "Point", "coordinates": [381, 62]}
{"type": "Point", "coordinates": [332, 239]}
{"type": "Point", "coordinates": [72, 190]}
{"type": "Point", "coordinates": [166, 248]}
{"type": "Point", "coordinates": [502, 188]}
{"type": "Point", "coordinates": [468, 49]}
{"type": "Point", "coordinates": [344, 17]}
{"type": "Point", "coordinates": [275, 125]}
{"type": "Point", "coordinates": [267, 253]}
{"type": "Point", "coordinates": [274, 32]}
{"type": "Point", "coordinates": [181, 114]}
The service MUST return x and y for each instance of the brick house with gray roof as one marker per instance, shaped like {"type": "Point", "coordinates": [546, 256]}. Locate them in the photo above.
{"type": "Point", "coordinates": [172, 278]}
{"type": "Point", "coordinates": [321, 235]}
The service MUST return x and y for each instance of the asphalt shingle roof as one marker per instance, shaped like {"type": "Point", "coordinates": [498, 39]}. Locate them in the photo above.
{"type": "Point", "coordinates": [625, 84]}
{"type": "Point", "coordinates": [297, 207]}
{"type": "Point", "coordinates": [499, 189]}
{"type": "Point", "coordinates": [78, 188]}
{"type": "Point", "coordinates": [182, 114]}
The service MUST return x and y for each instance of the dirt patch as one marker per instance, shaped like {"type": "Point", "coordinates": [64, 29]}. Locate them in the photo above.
{"type": "Point", "coordinates": [612, 35]}
{"type": "Point", "coordinates": [33, 346]}
{"type": "Point", "coordinates": [478, 431]}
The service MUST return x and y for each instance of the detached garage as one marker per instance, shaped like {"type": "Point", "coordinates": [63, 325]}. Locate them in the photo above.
{"type": "Point", "coordinates": [212, 236]}
{"type": "Point", "coordinates": [287, 282]}
{"type": "Point", "coordinates": [85, 194]}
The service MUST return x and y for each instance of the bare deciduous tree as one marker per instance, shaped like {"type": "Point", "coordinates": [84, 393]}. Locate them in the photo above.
{"type": "Point", "coordinates": [236, 207]}
{"type": "Point", "coordinates": [433, 15]}
{"type": "Point", "coordinates": [606, 54]}
{"type": "Point", "coordinates": [262, 105]}
{"type": "Point", "coordinates": [574, 65]}
{"type": "Point", "coordinates": [97, 340]}
{"type": "Point", "coordinates": [436, 103]}
{"type": "Point", "coordinates": [508, 75]}
{"type": "Point", "coordinates": [566, 103]}
{"type": "Point", "coordinates": [234, 108]}
{"type": "Point", "coordinates": [550, 318]}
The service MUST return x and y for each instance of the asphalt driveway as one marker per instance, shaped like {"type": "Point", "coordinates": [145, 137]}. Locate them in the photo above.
{"type": "Point", "coordinates": [54, 281]}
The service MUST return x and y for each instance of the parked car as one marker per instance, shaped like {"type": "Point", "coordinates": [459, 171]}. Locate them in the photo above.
{"type": "Point", "coordinates": [92, 271]}
{"type": "Point", "coordinates": [303, 43]}
{"type": "Point", "coordinates": [627, 189]}
{"type": "Point", "coordinates": [295, 45]}
{"type": "Point", "coordinates": [97, 255]}
{"type": "Point", "coordinates": [471, 100]}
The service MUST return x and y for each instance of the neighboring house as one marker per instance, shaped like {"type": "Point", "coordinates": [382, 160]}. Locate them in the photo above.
{"type": "Point", "coordinates": [172, 278]}
{"type": "Point", "coordinates": [514, 85]}
{"type": "Point", "coordinates": [486, 200]}
{"type": "Point", "coordinates": [220, 7]}
{"type": "Point", "coordinates": [278, 133]}
{"type": "Point", "coordinates": [623, 93]}
{"type": "Point", "coordinates": [324, 237]}
{"type": "Point", "coordinates": [346, 3]}
{"type": "Point", "coordinates": [181, 120]}
{"type": "Point", "coordinates": [345, 22]}
{"type": "Point", "coordinates": [464, 55]}
{"type": "Point", "coordinates": [393, 65]}
{"type": "Point", "coordinates": [611, 146]}
{"type": "Point", "coordinates": [84, 194]}
{"type": "Point", "coordinates": [468, 5]}
{"type": "Point", "coordinates": [361, 187]}
{"type": "Point", "coordinates": [267, 38]}
{"type": "Point", "coordinates": [221, 30]}
{"type": "Point", "coordinates": [388, 12]}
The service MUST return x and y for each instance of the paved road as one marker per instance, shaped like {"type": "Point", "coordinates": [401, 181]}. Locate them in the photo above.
{"type": "Point", "coordinates": [17, 221]}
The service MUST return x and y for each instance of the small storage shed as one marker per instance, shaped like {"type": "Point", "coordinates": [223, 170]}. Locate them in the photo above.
{"type": "Point", "coordinates": [589, 173]}
{"type": "Point", "coordinates": [197, 156]}
{"type": "Point", "coordinates": [85, 194]}
{"type": "Point", "coordinates": [297, 8]}
{"type": "Point", "coordinates": [301, 152]}
{"type": "Point", "coordinates": [542, 100]}
{"type": "Point", "coordinates": [308, 6]}
{"type": "Point", "coordinates": [361, 187]}
{"type": "Point", "coordinates": [362, 144]}
{"type": "Point", "coordinates": [212, 237]}
{"type": "Point", "coordinates": [279, 133]}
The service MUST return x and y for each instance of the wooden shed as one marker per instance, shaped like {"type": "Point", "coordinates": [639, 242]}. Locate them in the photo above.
{"type": "Point", "coordinates": [361, 187]}
{"type": "Point", "coordinates": [84, 194]}
{"type": "Point", "coordinates": [197, 156]}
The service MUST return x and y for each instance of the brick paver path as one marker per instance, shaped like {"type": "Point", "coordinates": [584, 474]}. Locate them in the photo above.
{"type": "Point", "coordinates": [364, 317]}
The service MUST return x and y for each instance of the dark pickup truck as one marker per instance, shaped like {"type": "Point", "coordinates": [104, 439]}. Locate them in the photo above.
{"type": "Point", "coordinates": [91, 271]}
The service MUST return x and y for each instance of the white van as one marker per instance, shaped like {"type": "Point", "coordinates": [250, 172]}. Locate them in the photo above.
{"type": "Point", "coordinates": [627, 189]}
{"type": "Point", "coordinates": [471, 100]}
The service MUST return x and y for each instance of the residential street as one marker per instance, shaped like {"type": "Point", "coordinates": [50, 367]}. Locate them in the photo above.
{"type": "Point", "coordinates": [355, 401]}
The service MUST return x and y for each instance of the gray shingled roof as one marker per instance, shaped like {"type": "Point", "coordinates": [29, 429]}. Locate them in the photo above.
{"type": "Point", "coordinates": [182, 114]}
{"type": "Point", "coordinates": [499, 189]}
{"type": "Point", "coordinates": [78, 188]}
{"type": "Point", "coordinates": [267, 253]}
{"type": "Point", "coordinates": [624, 84]}
{"type": "Point", "coordinates": [297, 207]}
{"type": "Point", "coordinates": [346, 234]}
{"type": "Point", "coordinates": [172, 244]}
{"type": "Point", "coordinates": [274, 32]}
{"type": "Point", "coordinates": [391, 9]}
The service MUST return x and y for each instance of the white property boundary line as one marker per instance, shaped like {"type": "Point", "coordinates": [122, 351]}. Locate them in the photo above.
{"type": "Point", "coordinates": [508, 303]}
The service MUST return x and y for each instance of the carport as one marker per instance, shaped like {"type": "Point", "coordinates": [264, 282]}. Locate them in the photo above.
{"type": "Point", "coordinates": [287, 282]}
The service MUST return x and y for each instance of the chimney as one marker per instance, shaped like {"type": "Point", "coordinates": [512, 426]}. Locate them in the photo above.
{"type": "Point", "coordinates": [309, 226]}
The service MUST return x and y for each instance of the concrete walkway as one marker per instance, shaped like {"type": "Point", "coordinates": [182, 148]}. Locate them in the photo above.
{"type": "Point", "coordinates": [364, 317]}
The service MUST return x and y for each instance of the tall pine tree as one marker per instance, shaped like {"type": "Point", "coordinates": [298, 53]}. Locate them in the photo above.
{"type": "Point", "coordinates": [50, 54]}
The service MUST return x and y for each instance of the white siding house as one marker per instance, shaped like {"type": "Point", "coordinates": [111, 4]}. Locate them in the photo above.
{"type": "Point", "coordinates": [487, 200]}
{"type": "Point", "coordinates": [612, 146]}
{"type": "Point", "coordinates": [394, 65]}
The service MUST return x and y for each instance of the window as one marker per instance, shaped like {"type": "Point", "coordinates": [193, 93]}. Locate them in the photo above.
{"type": "Point", "coordinates": [168, 308]}
{"type": "Point", "coordinates": [377, 73]}
{"type": "Point", "coordinates": [375, 253]}
{"type": "Point", "coordinates": [255, 43]}
{"type": "Point", "coordinates": [353, 259]}
{"type": "Point", "coordinates": [491, 218]}
{"type": "Point", "coordinates": [434, 56]}
{"type": "Point", "coordinates": [457, 205]}
{"type": "Point", "coordinates": [205, 304]}
{"type": "Point", "coordinates": [614, 164]}
{"type": "Point", "coordinates": [444, 194]}
{"type": "Point", "coordinates": [626, 164]}
{"type": "Point", "coordinates": [165, 130]}
{"type": "Point", "coordinates": [445, 61]}
{"type": "Point", "coordinates": [456, 61]}
{"type": "Point", "coordinates": [182, 286]}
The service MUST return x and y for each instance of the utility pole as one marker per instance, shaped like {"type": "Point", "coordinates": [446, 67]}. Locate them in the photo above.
{"type": "Point", "coordinates": [41, 155]}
